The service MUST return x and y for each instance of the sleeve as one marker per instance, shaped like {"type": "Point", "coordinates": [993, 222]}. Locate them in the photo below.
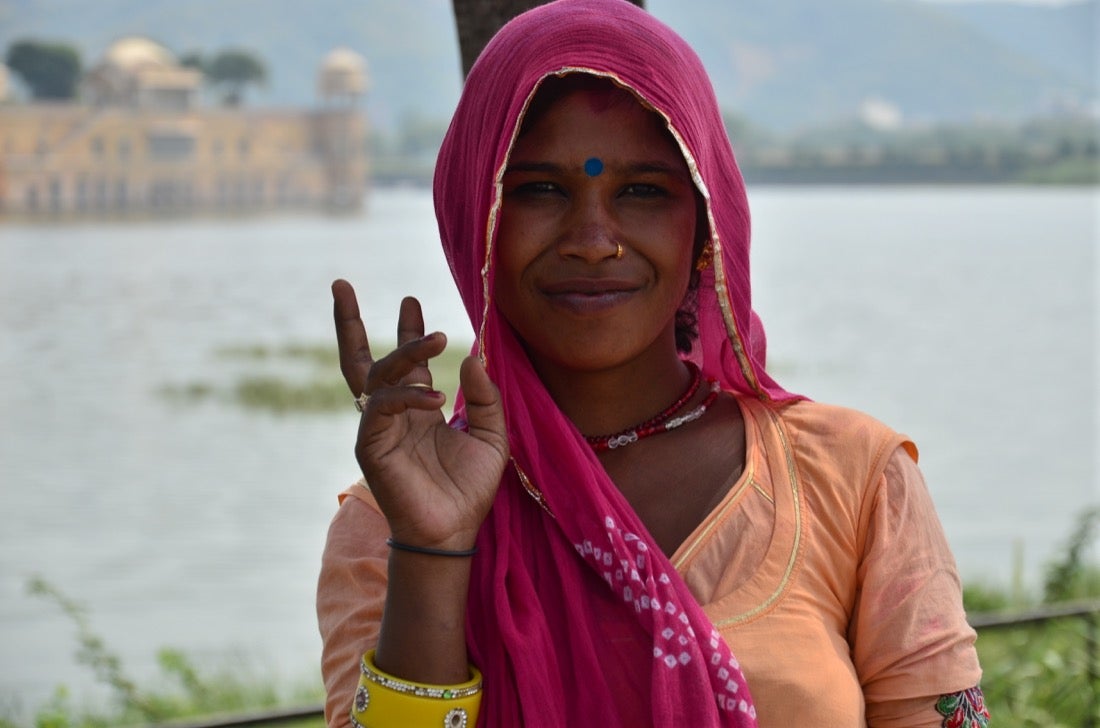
{"type": "Point", "coordinates": [910, 641]}
{"type": "Point", "coordinates": [351, 592]}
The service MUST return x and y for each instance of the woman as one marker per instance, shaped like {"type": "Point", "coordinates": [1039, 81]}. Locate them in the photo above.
{"type": "Point", "coordinates": [625, 494]}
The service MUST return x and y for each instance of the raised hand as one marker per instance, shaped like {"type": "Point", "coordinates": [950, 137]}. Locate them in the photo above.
{"type": "Point", "coordinates": [434, 484]}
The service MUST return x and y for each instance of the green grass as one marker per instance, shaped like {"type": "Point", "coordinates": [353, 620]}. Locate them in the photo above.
{"type": "Point", "coordinates": [278, 395]}
{"type": "Point", "coordinates": [323, 355]}
{"type": "Point", "coordinates": [1035, 676]}
{"type": "Point", "coordinates": [1076, 171]}
{"type": "Point", "coordinates": [295, 378]}
{"type": "Point", "coordinates": [185, 689]}
{"type": "Point", "coordinates": [1038, 675]}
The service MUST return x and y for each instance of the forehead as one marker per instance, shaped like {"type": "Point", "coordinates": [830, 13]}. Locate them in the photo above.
{"type": "Point", "coordinates": [600, 122]}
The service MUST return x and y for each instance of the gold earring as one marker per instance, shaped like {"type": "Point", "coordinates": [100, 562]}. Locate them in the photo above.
{"type": "Point", "coordinates": [704, 258]}
{"type": "Point", "coordinates": [618, 250]}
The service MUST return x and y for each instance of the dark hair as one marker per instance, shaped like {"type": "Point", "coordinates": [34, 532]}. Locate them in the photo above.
{"type": "Point", "coordinates": [687, 322]}
{"type": "Point", "coordinates": [606, 94]}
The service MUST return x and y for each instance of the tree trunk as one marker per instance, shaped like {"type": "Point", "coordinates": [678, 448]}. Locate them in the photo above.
{"type": "Point", "coordinates": [478, 20]}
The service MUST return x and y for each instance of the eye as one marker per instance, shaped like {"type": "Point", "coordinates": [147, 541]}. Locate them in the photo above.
{"type": "Point", "coordinates": [536, 190]}
{"type": "Point", "coordinates": [644, 191]}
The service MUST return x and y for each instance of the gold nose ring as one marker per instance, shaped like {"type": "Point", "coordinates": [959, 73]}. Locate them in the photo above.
{"type": "Point", "coordinates": [618, 250]}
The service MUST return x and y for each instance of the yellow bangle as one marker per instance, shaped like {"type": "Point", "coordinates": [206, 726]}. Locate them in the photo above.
{"type": "Point", "coordinates": [384, 701]}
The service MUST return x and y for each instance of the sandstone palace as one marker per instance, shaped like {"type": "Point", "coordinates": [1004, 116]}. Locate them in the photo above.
{"type": "Point", "coordinates": [140, 141]}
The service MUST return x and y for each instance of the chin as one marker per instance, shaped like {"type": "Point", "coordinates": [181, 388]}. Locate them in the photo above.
{"type": "Point", "coordinates": [596, 352]}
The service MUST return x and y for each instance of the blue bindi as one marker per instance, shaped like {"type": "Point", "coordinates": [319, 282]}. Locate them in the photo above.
{"type": "Point", "coordinates": [593, 166]}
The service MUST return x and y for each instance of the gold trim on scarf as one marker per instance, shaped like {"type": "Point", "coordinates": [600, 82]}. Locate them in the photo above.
{"type": "Point", "coordinates": [720, 287]}
{"type": "Point", "coordinates": [498, 193]}
{"type": "Point", "coordinates": [721, 290]}
{"type": "Point", "coordinates": [532, 489]}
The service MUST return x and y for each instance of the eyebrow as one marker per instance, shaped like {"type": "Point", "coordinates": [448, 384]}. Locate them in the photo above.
{"type": "Point", "coordinates": [658, 168]}
{"type": "Point", "coordinates": [648, 167]}
{"type": "Point", "coordinates": [533, 167]}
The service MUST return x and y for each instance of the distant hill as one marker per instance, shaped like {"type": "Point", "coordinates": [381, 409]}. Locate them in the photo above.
{"type": "Point", "coordinates": [789, 63]}
{"type": "Point", "coordinates": [780, 63]}
{"type": "Point", "coordinates": [1064, 38]}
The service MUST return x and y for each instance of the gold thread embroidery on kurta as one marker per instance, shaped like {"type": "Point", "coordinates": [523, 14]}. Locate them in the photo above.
{"type": "Point", "coordinates": [792, 474]}
{"type": "Point", "coordinates": [730, 500]}
{"type": "Point", "coordinates": [767, 496]}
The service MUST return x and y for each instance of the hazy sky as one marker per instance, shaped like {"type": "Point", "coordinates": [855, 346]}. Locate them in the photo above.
{"type": "Point", "coordinates": [1018, 2]}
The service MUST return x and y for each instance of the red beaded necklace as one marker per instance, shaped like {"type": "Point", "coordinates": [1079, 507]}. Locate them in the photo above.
{"type": "Point", "coordinates": [663, 421]}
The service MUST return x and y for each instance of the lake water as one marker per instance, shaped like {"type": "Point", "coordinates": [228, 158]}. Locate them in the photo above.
{"type": "Point", "coordinates": [966, 317]}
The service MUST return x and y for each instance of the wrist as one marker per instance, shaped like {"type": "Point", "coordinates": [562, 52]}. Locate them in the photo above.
{"type": "Point", "coordinates": [430, 550]}
{"type": "Point", "coordinates": [455, 541]}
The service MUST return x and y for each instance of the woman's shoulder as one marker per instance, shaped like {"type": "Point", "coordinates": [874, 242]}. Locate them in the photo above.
{"type": "Point", "coordinates": [809, 424]}
{"type": "Point", "coordinates": [359, 492]}
{"type": "Point", "coordinates": [829, 448]}
{"type": "Point", "coordinates": [359, 513]}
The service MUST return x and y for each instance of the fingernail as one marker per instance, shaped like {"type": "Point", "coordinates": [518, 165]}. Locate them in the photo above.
{"type": "Point", "coordinates": [425, 388]}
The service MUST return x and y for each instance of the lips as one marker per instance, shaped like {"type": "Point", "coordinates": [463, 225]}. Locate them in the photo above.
{"type": "Point", "coordinates": [581, 296]}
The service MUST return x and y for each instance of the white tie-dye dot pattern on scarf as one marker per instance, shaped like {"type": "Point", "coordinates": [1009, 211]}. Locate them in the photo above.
{"type": "Point", "coordinates": [626, 566]}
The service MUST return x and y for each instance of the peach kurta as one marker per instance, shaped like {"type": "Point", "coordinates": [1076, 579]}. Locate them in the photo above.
{"type": "Point", "coordinates": [825, 568]}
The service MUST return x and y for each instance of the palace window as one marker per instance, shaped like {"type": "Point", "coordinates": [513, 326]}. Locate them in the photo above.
{"type": "Point", "coordinates": [171, 147]}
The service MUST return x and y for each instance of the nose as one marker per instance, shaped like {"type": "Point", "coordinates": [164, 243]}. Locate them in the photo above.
{"type": "Point", "coordinates": [591, 233]}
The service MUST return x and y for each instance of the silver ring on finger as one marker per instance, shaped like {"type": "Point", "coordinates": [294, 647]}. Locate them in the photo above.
{"type": "Point", "coordinates": [361, 401]}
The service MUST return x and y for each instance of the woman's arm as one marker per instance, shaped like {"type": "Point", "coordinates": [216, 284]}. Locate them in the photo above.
{"type": "Point", "coordinates": [352, 597]}
{"type": "Point", "coordinates": [351, 592]}
{"type": "Point", "coordinates": [433, 486]}
{"type": "Point", "coordinates": [911, 643]}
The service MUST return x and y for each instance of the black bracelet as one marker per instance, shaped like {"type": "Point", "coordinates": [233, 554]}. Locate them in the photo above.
{"type": "Point", "coordinates": [429, 551]}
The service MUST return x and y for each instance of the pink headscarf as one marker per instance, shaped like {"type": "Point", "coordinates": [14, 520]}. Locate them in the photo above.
{"type": "Point", "coordinates": [576, 617]}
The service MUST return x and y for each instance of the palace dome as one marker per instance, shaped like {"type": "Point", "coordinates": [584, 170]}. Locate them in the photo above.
{"type": "Point", "coordinates": [343, 73]}
{"type": "Point", "coordinates": [137, 72]}
{"type": "Point", "coordinates": [134, 53]}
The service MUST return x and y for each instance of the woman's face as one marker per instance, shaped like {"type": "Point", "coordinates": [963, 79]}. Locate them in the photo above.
{"type": "Point", "coordinates": [594, 171]}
